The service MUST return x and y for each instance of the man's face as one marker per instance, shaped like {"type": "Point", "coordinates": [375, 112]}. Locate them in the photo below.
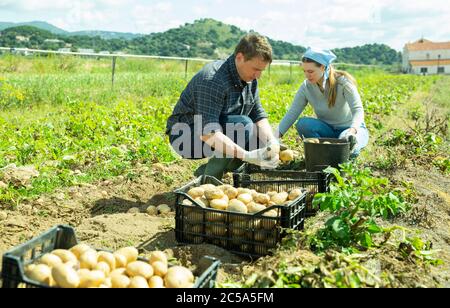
{"type": "Point", "coordinates": [251, 69]}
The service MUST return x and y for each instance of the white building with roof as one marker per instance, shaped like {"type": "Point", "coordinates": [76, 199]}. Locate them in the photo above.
{"type": "Point", "coordinates": [425, 57]}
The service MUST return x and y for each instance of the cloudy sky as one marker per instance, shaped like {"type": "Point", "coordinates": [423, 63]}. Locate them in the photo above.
{"type": "Point", "coordinates": [320, 23]}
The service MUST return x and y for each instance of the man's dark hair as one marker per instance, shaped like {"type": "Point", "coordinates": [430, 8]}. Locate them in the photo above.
{"type": "Point", "coordinates": [255, 45]}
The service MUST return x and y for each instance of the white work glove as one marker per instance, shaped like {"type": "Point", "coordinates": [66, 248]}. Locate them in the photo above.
{"type": "Point", "coordinates": [273, 148]}
{"type": "Point", "coordinates": [260, 158]}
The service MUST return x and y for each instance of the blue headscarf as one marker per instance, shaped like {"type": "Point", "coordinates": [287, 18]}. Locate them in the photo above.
{"type": "Point", "coordinates": [322, 56]}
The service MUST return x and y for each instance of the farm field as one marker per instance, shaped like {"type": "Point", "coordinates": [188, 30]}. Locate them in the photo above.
{"type": "Point", "coordinates": [76, 150]}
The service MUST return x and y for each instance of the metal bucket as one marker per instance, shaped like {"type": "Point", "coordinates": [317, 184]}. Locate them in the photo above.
{"type": "Point", "coordinates": [328, 152]}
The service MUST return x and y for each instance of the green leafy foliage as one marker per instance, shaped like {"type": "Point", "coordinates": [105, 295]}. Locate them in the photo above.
{"type": "Point", "coordinates": [356, 200]}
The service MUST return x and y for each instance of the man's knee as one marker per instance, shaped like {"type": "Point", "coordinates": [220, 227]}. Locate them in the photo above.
{"type": "Point", "coordinates": [238, 128]}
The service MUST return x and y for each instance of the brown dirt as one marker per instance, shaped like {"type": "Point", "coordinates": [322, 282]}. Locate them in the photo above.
{"type": "Point", "coordinates": [99, 214]}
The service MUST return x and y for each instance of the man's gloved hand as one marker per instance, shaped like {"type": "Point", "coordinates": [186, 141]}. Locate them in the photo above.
{"type": "Point", "coordinates": [274, 147]}
{"type": "Point", "coordinates": [260, 158]}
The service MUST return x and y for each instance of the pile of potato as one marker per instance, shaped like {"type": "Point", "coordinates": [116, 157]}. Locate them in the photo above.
{"type": "Point", "coordinates": [236, 200]}
{"type": "Point", "coordinates": [240, 200]}
{"type": "Point", "coordinates": [84, 267]}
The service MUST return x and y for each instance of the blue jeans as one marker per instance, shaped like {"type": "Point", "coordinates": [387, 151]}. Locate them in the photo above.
{"type": "Point", "coordinates": [315, 128]}
{"type": "Point", "coordinates": [216, 166]}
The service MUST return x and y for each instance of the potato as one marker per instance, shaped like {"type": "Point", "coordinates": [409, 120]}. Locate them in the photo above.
{"type": "Point", "coordinates": [79, 249]}
{"type": "Point", "coordinates": [214, 193]}
{"type": "Point", "coordinates": [104, 267]}
{"type": "Point", "coordinates": [139, 268]}
{"type": "Point", "coordinates": [262, 199]}
{"type": "Point", "coordinates": [120, 281]}
{"type": "Point", "coordinates": [237, 228]}
{"type": "Point", "coordinates": [216, 230]}
{"type": "Point", "coordinates": [108, 258]}
{"type": "Point", "coordinates": [312, 140]}
{"type": "Point", "coordinates": [255, 207]}
{"type": "Point", "coordinates": [156, 282]}
{"type": "Point", "coordinates": [219, 204]}
{"type": "Point", "coordinates": [203, 202]}
{"type": "Point", "coordinates": [208, 186]}
{"type": "Point", "coordinates": [158, 256]}
{"type": "Point", "coordinates": [121, 260]}
{"type": "Point", "coordinates": [163, 209]}
{"type": "Point", "coordinates": [30, 267]}
{"type": "Point", "coordinates": [272, 193]}
{"type": "Point", "coordinates": [295, 193]}
{"type": "Point", "coordinates": [178, 277]}
{"type": "Point", "coordinates": [229, 191]}
{"type": "Point", "coordinates": [196, 192]}
{"type": "Point", "coordinates": [65, 255]}
{"type": "Point", "coordinates": [245, 198]}
{"type": "Point", "coordinates": [244, 191]}
{"type": "Point", "coordinates": [89, 259]}
{"type": "Point", "coordinates": [107, 283]}
{"type": "Point", "coordinates": [280, 198]}
{"type": "Point", "coordinates": [160, 268]}
{"type": "Point", "coordinates": [138, 282]}
{"type": "Point", "coordinates": [153, 211]}
{"type": "Point", "coordinates": [269, 223]}
{"type": "Point", "coordinates": [187, 202]}
{"type": "Point", "coordinates": [215, 217]}
{"type": "Point", "coordinates": [91, 279]}
{"type": "Point", "coordinates": [74, 265]}
{"type": "Point", "coordinates": [130, 253]}
{"type": "Point", "coordinates": [41, 273]}
{"type": "Point", "coordinates": [118, 271]}
{"type": "Point", "coordinates": [65, 276]}
{"type": "Point", "coordinates": [50, 259]}
{"type": "Point", "coordinates": [253, 193]}
{"type": "Point", "coordinates": [194, 217]}
{"type": "Point", "coordinates": [237, 206]}
{"type": "Point", "coordinates": [287, 156]}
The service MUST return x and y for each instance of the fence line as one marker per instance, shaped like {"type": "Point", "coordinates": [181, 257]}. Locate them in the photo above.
{"type": "Point", "coordinates": [114, 57]}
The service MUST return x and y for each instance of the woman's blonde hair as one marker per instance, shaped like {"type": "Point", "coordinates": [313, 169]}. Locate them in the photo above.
{"type": "Point", "coordinates": [332, 80]}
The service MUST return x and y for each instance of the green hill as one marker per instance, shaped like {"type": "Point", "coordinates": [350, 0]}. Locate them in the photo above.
{"type": "Point", "coordinates": [205, 38]}
{"type": "Point", "coordinates": [38, 24]}
{"type": "Point", "coordinates": [107, 35]}
{"type": "Point", "coordinates": [368, 54]}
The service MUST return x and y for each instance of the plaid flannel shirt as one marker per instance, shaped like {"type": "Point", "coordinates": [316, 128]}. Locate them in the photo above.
{"type": "Point", "coordinates": [216, 91]}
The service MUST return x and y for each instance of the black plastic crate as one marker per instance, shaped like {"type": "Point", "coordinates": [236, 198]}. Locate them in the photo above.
{"type": "Point", "coordinates": [251, 235]}
{"type": "Point", "coordinates": [63, 237]}
{"type": "Point", "coordinates": [250, 176]}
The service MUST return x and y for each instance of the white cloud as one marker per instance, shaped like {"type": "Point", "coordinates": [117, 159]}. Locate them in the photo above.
{"type": "Point", "coordinates": [326, 23]}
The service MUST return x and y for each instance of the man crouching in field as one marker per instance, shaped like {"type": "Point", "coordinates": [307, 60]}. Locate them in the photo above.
{"type": "Point", "coordinates": [219, 114]}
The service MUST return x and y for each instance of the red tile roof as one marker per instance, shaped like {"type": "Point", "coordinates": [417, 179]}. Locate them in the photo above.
{"type": "Point", "coordinates": [424, 44]}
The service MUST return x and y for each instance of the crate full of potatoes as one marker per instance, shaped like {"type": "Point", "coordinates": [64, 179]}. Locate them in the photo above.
{"type": "Point", "coordinates": [251, 176]}
{"type": "Point", "coordinates": [56, 260]}
{"type": "Point", "coordinates": [248, 222]}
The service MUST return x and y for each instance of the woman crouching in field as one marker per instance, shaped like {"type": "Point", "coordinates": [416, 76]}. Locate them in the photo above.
{"type": "Point", "coordinates": [336, 102]}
